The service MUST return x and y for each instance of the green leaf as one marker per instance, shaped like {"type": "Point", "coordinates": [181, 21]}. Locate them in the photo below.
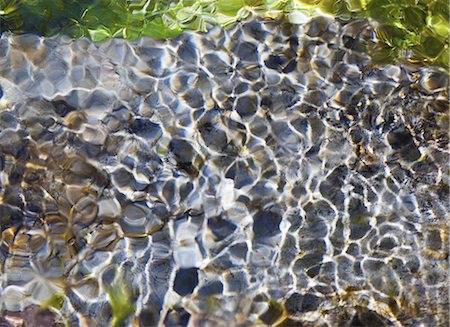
{"type": "Point", "coordinates": [438, 25]}
{"type": "Point", "coordinates": [56, 301]}
{"type": "Point", "coordinates": [414, 18]}
{"type": "Point", "coordinates": [229, 7]}
{"type": "Point", "coordinates": [158, 30]}
{"type": "Point", "coordinates": [99, 34]}
{"type": "Point", "coordinates": [431, 47]}
{"type": "Point", "coordinates": [391, 35]}
{"type": "Point", "coordinates": [122, 299]}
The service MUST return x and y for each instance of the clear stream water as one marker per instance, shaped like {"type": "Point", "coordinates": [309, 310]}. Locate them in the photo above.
{"type": "Point", "coordinates": [268, 174]}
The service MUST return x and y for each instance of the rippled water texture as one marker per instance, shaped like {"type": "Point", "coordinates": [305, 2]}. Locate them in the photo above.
{"type": "Point", "coordinates": [266, 174]}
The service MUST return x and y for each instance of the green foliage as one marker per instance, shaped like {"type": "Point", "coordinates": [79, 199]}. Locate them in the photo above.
{"type": "Point", "coordinates": [416, 25]}
{"type": "Point", "coordinates": [56, 301]}
{"type": "Point", "coordinates": [419, 26]}
{"type": "Point", "coordinates": [121, 298]}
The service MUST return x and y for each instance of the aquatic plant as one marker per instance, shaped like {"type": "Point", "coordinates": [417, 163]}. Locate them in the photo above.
{"type": "Point", "coordinates": [413, 30]}
{"type": "Point", "coordinates": [121, 298]}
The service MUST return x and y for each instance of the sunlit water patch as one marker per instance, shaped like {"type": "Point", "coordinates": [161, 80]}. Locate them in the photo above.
{"type": "Point", "coordinates": [264, 175]}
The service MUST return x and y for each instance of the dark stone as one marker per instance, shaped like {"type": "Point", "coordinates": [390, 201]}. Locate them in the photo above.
{"type": "Point", "coordinates": [246, 106]}
{"type": "Point", "coordinates": [357, 268]}
{"type": "Point", "coordinates": [369, 171]}
{"type": "Point", "coordinates": [275, 62]}
{"type": "Point", "coordinates": [366, 318]}
{"type": "Point", "coordinates": [240, 174]}
{"type": "Point", "coordinates": [220, 227]}
{"type": "Point", "coordinates": [387, 243]}
{"type": "Point", "coordinates": [194, 98]}
{"type": "Point", "coordinates": [241, 88]}
{"type": "Point", "coordinates": [373, 266]}
{"type": "Point", "coordinates": [301, 125]}
{"type": "Point", "coordinates": [298, 303]}
{"type": "Point", "coordinates": [434, 240]}
{"type": "Point", "coordinates": [288, 96]}
{"type": "Point", "coordinates": [309, 260]}
{"type": "Point", "coordinates": [221, 262]}
{"type": "Point", "coordinates": [399, 138]}
{"type": "Point", "coordinates": [310, 303]}
{"type": "Point", "coordinates": [357, 211]}
{"type": "Point", "coordinates": [108, 275]}
{"type": "Point", "coordinates": [258, 86]}
{"type": "Point", "coordinates": [182, 151]}
{"type": "Point", "coordinates": [13, 143]}
{"type": "Point", "coordinates": [410, 153]}
{"type": "Point", "coordinates": [16, 175]}
{"type": "Point", "coordinates": [266, 224]}
{"type": "Point", "coordinates": [317, 27]}
{"type": "Point", "coordinates": [122, 177]}
{"type": "Point", "coordinates": [168, 191]}
{"type": "Point", "coordinates": [316, 98]}
{"type": "Point", "coordinates": [217, 66]}
{"type": "Point", "coordinates": [62, 108]}
{"type": "Point", "coordinates": [290, 67]}
{"type": "Point", "coordinates": [8, 120]}
{"type": "Point", "coordinates": [5, 216]}
{"type": "Point", "coordinates": [177, 318]}
{"type": "Point", "coordinates": [13, 196]}
{"type": "Point", "coordinates": [313, 271]}
{"type": "Point", "coordinates": [185, 281]}
{"type": "Point", "coordinates": [148, 317]}
{"type": "Point", "coordinates": [349, 42]}
{"type": "Point", "coordinates": [213, 136]}
{"type": "Point", "coordinates": [330, 188]}
{"type": "Point", "coordinates": [255, 30]}
{"type": "Point", "coordinates": [152, 56]}
{"type": "Point", "coordinates": [247, 51]}
{"type": "Point", "coordinates": [313, 245]}
{"type": "Point", "coordinates": [145, 128]}
{"type": "Point", "coordinates": [239, 250]}
{"type": "Point", "coordinates": [185, 190]}
{"type": "Point", "coordinates": [353, 249]}
{"type": "Point", "coordinates": [314, 150]}
{"type": "Point", "coordinates": [159, 275]}
{"type": "Point", "coordinates": [187, 52]}
{"type": "Point", "coordinates": [289, 250]}
{"type": "Point", "coordinates": [359, 231]}
{"type": "Point", "coordinates": [298, 190]}
{"type": "Point", "coordinates": [357, 135]}
{"type": "Point", "coordinates": [237, 281]}
{"type": "Point", "coordinates": [212, 288]}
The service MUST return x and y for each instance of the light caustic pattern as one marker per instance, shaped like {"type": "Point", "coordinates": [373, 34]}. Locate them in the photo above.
{"type": "Point", "coordinates": [266, 174]}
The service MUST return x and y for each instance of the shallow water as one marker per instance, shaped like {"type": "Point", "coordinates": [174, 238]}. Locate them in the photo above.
{"type": "Point", "coordinates": [265, 174]}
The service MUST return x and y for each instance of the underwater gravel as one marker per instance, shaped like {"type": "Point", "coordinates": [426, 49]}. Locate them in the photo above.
{"type": "Point", "coordinates": [261, 175]}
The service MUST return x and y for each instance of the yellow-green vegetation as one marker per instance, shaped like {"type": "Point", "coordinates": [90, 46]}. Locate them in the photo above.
{"type": "Point", "coordinates": [413, 30]}
{"type": "Point", "coordinates": [55, 304]}
{"type": "Point", "coordinates": [121, 298]}
{"type": "Point", "coordinates": [273, 314]}
{"type": "Point", "coordinates": [56, 301]}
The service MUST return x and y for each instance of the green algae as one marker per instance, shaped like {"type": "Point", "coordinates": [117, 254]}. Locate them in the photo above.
{"type": "Point", "coordinates": [122, 300]}
{"type": "Point", "coordinates": [56, 301]}
{"type": "Point", "coordinates": [273, 313]}
{"type": "Point", "coordinates": [413, 30]}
